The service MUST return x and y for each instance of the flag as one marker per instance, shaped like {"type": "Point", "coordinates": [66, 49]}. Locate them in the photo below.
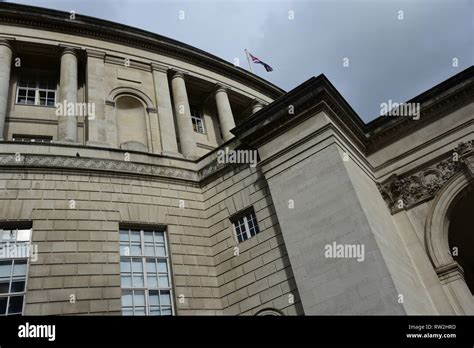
{"type": "Point", "coordinates": [258, 61]}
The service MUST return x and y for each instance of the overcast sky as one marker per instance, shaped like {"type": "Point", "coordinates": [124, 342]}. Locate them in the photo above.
{"type": "Point", "coordinates": [389, 58]}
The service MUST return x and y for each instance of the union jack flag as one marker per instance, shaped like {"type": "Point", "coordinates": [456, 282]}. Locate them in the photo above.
{"type": "Point", "coordinates": [258, 61]}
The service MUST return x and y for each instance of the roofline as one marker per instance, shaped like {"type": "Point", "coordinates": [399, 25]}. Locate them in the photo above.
{"type": "Point", "coordinates": [318, 94]}
{"type": "Point", "coordinates": [54, 20]}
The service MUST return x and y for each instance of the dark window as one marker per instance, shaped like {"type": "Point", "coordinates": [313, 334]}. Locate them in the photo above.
{"type": "Point", "coordinates": [245, 225]}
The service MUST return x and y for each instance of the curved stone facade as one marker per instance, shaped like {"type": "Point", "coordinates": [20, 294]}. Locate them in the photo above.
{"type": "Point", "coordinates": [109, 133]}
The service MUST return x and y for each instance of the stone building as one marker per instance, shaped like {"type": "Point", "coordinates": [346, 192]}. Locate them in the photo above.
{"type": "Point", "coordinates": [111, 179]}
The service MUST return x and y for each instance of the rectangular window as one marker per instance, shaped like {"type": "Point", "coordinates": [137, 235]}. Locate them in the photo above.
{"type": "Point", "coordinates": [36, 91]}
{"type": "Point", "coordinates": [145, 273]}
{"type": "Point", "coordinates": [14, 253]}
{"type": "Point", "coordinates": [196, 118]}
{"type": "Point", "coordinates": [245, 225]}
{"type": "Point", "coordinates": [27, 138]}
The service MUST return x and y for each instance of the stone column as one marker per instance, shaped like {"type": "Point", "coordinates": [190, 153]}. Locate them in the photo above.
{"type": "Point", "coordinates": [169, 143]}
{"type": "Point", "coordinates": [224, 111]}
{"type": "Point", "coordinates": [97, 132]}
{"type": "Point", "coordinates": [183, 115]}
{"type": "Point", "coordinates": [256, 106]}
{"type": "Point", "coordinates": [67, 123]}
{"type": "Point", "coordinates": [5, 67]}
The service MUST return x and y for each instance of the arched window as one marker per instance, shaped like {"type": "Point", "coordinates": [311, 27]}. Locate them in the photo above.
{"type": "Point", "coordinates": [461, 234]}
{"type": "Point", "coordinates": [269, 311]}
{"type": "Point", "coordinates": [131, 123]}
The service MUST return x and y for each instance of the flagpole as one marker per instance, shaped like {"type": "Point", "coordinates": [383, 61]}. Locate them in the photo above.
{"type": "Point", "coordinates": [248, 59]}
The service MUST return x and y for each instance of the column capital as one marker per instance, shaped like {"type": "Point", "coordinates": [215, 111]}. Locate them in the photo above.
{"type": "Point", "coordinates": [219, 87]}
{"type": "Point", "coordinates": [177, 73]}
{"type": "Point", "coordinates": [68, 50]}
{"type": "Point", "coordinates": [258, 102]}
{"type": "Point", "coordinates": [159, 67]}
{"type": "Point", "coordinates": [6, 42]}
{"type": "Point", "coordinates": [257, 105]}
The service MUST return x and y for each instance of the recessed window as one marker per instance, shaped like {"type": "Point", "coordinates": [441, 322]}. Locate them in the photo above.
{"type": "Point", "coordinates": [196, 118]}
{"type": "Point", "coordinates": [245, 225]}
{"type": "Point", "coordinates": [14, 253]}
{"type": "Point", "coordinates": [27, 138]}
{"type": "Point", "coordinates": [36, 91]}
{"type": "Point", "coordinates": [145, 273]}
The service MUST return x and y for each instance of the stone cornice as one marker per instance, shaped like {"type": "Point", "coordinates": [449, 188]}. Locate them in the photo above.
{"type": "Point", "coordinates": [402, 193]}
{"type": "Point", "coordinates": [46, 19]}
{"type": "Point", "coordinates": [93, 164]}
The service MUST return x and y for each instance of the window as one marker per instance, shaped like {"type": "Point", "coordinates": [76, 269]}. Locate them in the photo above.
{"type": "Point", "coordinates": [14, 253]}
{"type": "Point", "coordinates": [36, 91]}
{"type": "Point", "coordinates": [245, 225]}
{"type": "Point", "coordinates": [196, 118]}
{"type": "Point", "coordinates": [27, 138]}
{"type": "Point", "coordinates": [145, 273]}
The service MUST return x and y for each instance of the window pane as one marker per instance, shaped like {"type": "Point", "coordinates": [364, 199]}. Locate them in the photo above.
{"type": "Point", "coordinates": [18, 286]}
{"type": "Point", "coordinates": [5, 269]}
{"type": "Point", "coordinates": [160, 250]}
{"type": "Point", "coordinates": [140, 311]}
{"type": "Point", "coordinates": [148, 236]}
{"type": "Point", "coordinates": [136, 250]}
{"type": "Point", "coordinates": [8, 236]}
{"type": "Point", "coordinates": [4, 286]}
{"type": "Point", "coordinates": [124, 250]}
{"type": "Point", "coordinates": [165, 298]}
{"type": "Point", "coordinates": [126, 281]}
{"type": "Point", "coordinates": [137, 266]}
{"type": "Point", "coordinates": [162, 266]}
{"type": "Point", "coordinates": [150, 266]}
{"type": "Point", "coordinates": [154, 298]}
{"type": "Point", "coordinates": [139, 298]}
{"type": "Point", "coordinates": [155, 311]}
{"type": "Point", "coordinates": [135, 236]}
{"type": "Point", "coordinates": [3, 305]}
{"type": "Point", "coordinates": [15, 305]}
{"type": "Point", "coordinates": [149, 250]}
{"type": "Point", "coordinates": [152, 282]}
{"type": "Point", "coordinates": [19, 268]}
{"type": "Point", "coordinates": [23, 235]}
{"type": "Point", "coordinates": [159, 237]}
{"type": "Point", "coordinates": [166, 311]}
{"type": "Point", "coordinates": [127, 311]}
{"type": "Point", "coordinates": [138, 281]}
{"type": "Point", "coordinates": [163, 281]}
{"type": "Point", "coordinates": [124, 235]}
{"type": "Point", "coordinates": [127, 299]}
{"type": "Point", "coordinates": [125, 266]}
